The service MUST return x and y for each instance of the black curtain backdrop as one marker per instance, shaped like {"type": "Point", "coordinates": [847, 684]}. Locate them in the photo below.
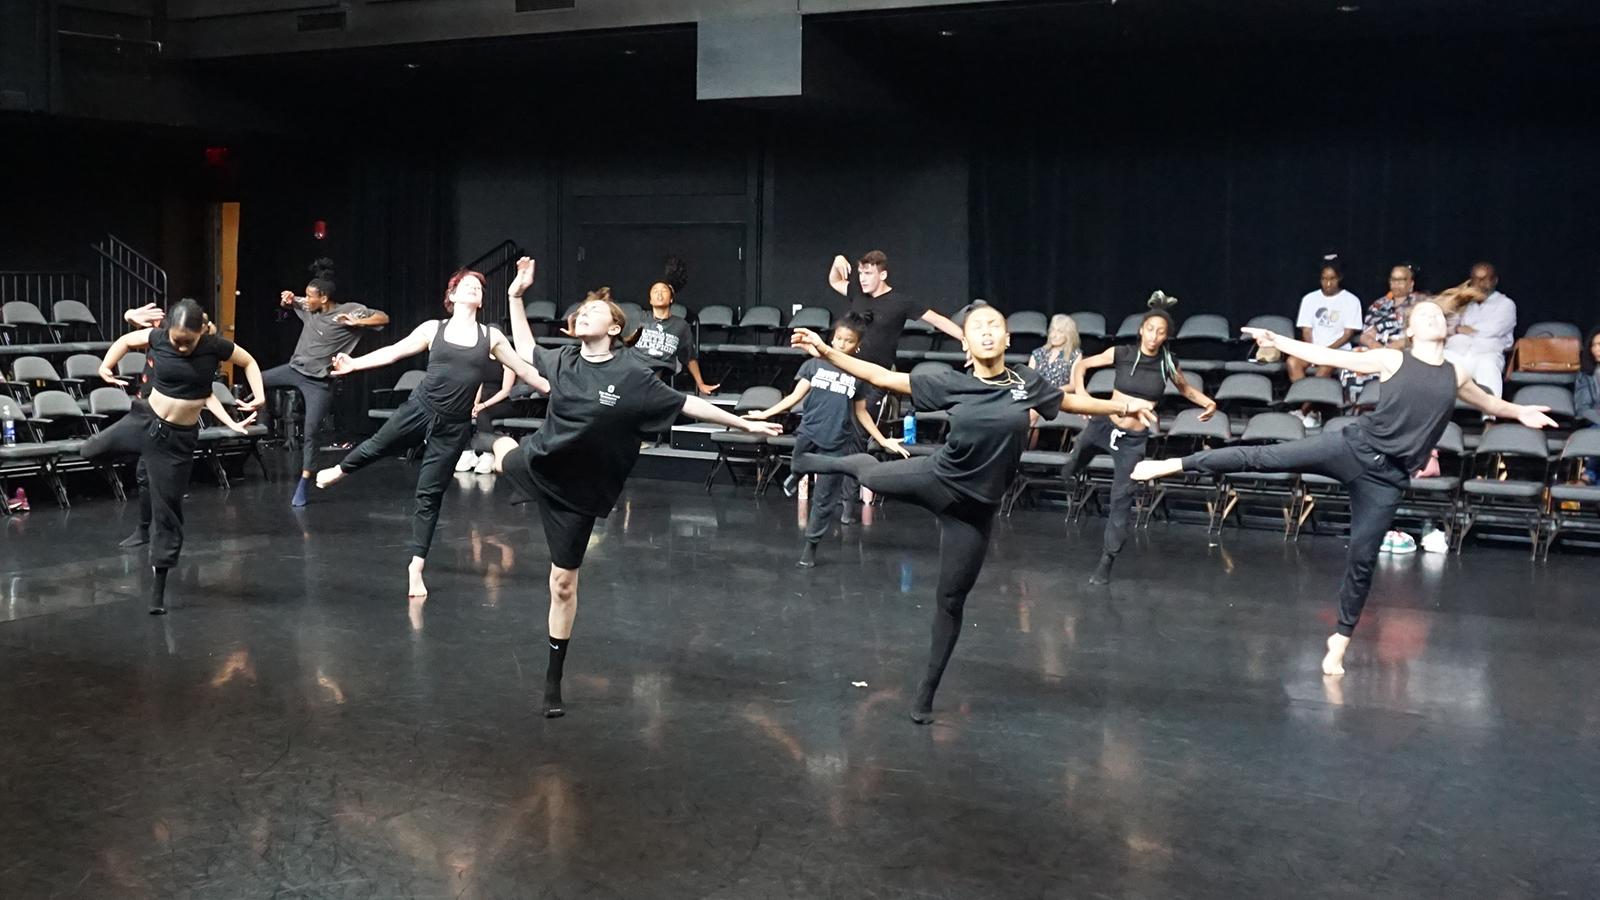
{"type": "Point", "coordinates": [1223, 178]}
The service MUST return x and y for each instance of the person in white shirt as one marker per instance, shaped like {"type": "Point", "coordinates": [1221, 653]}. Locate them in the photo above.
{"type": "Point", "coordinates": [1329, 317]}
{"type": "Point", "coordinates": [1484, 332]}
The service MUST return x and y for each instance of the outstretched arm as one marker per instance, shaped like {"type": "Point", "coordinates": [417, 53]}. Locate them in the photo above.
{"type": "Point", "coordinates": [1098, 361]}
{"type": "Point", "coordinates": [252, 374]}
{"type": "Point", "coordinates": [871, 427]}
{"type": "Point", "coordinates": [1382, 361]}
{"type": "Point", "coordinates": [839, 276]}
{"type": "Point", "coordinates": [501, 350]}
{"type": "Point", "coordinates": [521, 334]}
{"type": "Point", "coordinates": [133, 340]}
{"type": "Point", "coordinates": [1093, 406]}
{"type": "Point", "coordinates": [1531, 416]}
{"type": "Point", "coordinates": [411, 345]}
{"type": "Point", "coordinates": [871, 373]}
{"type": "Point", "coordinates": [220, 412]}
{"type": "Point", "coordinates": [1208, 406]}
{"type": "Point", "coordinates": [367, 318]}
{"type": "Point", "coordinates": [705, 411]}
{"type": "Point", "coordinates": [786, 404]}
{"type": "Point", "coordinates": [943, 324]}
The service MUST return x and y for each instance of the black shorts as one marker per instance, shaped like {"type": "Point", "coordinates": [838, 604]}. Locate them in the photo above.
{"type": "Point", "coordinates": [566, 531]}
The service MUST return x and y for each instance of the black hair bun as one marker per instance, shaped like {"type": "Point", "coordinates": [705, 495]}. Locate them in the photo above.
{"type": "Point", "coordinates": [1160, 300]}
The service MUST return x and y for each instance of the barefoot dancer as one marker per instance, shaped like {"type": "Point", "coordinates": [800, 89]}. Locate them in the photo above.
{"type": "Point", "coordinates": [574, 467]}
{"type": "Point", "coordinates": [438, 413]}
{"type": "Point", "coordinates": [991, 409]}
{"type": "Point", "coordinates": [1372, 457]}
{"type": "Point", "coordinates": [164, 429]}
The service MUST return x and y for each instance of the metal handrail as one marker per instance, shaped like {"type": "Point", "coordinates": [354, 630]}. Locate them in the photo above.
{"type": "Point", "coordinates": [129, 271]}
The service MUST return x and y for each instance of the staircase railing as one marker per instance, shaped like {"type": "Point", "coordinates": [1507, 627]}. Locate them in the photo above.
{"type": "Point", "coordinates": [499, 265]}
{"type": "Point", "coordinates": [127, 278]}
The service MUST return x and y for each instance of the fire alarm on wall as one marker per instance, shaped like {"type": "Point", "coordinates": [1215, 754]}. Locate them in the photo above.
{"type": "Point", "coordinates": [319, 229]}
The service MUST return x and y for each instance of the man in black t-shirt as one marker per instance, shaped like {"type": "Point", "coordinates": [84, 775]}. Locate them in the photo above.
{"type": "Point", "coordinates": [889, 310]}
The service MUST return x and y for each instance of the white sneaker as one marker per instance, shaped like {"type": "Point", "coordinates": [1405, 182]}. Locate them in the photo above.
{"type": "Point", "coordinates": [467, 461]}
{"type": "Point", "coordinates": [1435, 542]}
{"type": "Point", "coordinates": [1400, 542]}
{"type": "Point", "coordinates": [1312, 419]}
{"type": "Point", "coordinates": [485, 464]}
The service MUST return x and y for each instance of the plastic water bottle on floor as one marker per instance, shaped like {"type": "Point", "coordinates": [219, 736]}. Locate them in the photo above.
{"type": "Point", "coordinates": [909, 429]}
{"type": "Point", "coordinates": [10, 430]}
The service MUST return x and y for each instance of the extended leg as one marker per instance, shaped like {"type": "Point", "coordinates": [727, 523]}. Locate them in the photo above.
{"type": "Point", "coordinates": [963, 543]}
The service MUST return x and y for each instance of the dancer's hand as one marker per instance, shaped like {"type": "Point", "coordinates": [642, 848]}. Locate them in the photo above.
{"type": "Point", "coordinates": [1143, 410]}
{"type": "Point", "coordinates": [759, 416]}
{"type": "Point", "coordinates": [286, 298]}
{"type": "Point", "coordinates": [1534, 417]}
{"type": "Point", "coordinates": [254, 403]}
{"type": "Point", "coordinates": [524, 279]}
{"type": "Point", "coordinates": [707, 389]}
{"type": "Point", "coordinates": [243, 423]}
{"type": "Point", "coordinates": [346, 319]}
{"type": "Point", "coordinates": [110, 377]}
{"type": "Point", "coordinates": [1207, 412]}
{"type": "Point", "coordinates": [342, 364]}
{"type": "Point", "coordinates": [146, 316]}
{"type": "Point", "coordinates": [893, 445]}
{"type": "Point", "coordinates": [841, 268]}
{"type": "Point", "coordinates": [809, 341]}
{"type": "Point", "coordinates": [770, 429]}
{"type": "Point", "coordinates": [1266, 339]}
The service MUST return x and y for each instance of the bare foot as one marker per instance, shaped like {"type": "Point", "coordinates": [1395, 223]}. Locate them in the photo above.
{"type": "Point", "coordinates": [1333, 663]}
{"type": "Point", "coordinates": [329, 477]}
{"type": "Point", "coordinates": [1149, 469]}
{"type": "Point", "coordinates": [415, 586]}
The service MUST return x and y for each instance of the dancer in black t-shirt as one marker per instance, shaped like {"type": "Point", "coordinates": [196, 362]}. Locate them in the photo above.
{"type": "Point", "coordinates": [1373, 457]}
{"type": "Point", "coordinates": [991, 409]}
{"type": "Point", "coordinates": [601, 403]}
{"type": "Point", "coordinates": [666, 342]}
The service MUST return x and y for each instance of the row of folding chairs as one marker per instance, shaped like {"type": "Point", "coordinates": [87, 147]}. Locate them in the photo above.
{"type": "Point", "coordinates": [22, 322]}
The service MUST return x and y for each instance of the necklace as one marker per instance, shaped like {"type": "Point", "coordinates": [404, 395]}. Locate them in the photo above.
{"type": "Point", "coordinates": [1007, 379]}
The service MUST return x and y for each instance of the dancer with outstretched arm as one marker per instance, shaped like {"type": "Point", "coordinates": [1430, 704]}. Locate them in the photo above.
{"type": "Point", "coordinates": [1374, 456]}
{"type": "Point", "coordinates": [602, 403]}
{"type": "Point", "coordinates": [991, 409]}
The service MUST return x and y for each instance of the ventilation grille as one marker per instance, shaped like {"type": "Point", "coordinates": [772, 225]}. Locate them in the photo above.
{"type": "Point", "coordinates": [326, 21]}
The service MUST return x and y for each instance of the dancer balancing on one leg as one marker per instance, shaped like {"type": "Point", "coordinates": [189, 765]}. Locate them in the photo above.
{"type": "Point", "coordinates": [329, 329]}
{"type": "Point", "coordinates": [438, 414]}
{"type": "Point", "coordinates": [1376, 454]}
{"type": "Point", "coordinates": [1143, 370]}
{"type": "Point", "coordinates": [163, 428]}
{"type": "Point", "coordinates": [831, 398]}
{"type": "Point", "coordinates": [991, 409]}
{"type": "Point", "coordinates": [601, 403]}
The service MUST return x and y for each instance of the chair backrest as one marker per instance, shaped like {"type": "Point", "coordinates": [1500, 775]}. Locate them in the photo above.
{"type": "Point", "coordinates": [1558, 398]}
{"type": "Point", "coordinates": [1512, 439]}
{"type": "Point", "coordinates": [1554, 329]}
{"type": "Point", "coordinates": [1452, 440]}
{"type": "Point", "coordinates": [131, 365]}
{"type": "Point", "coordinates": [1327, 391]}
{"type": "Point", "coordinates": [21, 312]}
{"type": "Point", "coordinates": [224, 395]}
{"type": "Point", "coordinates": [1188, 424]}
{"type": "Point", "coordinates": [108, 400]}
{"type": "Point", "coordinates": [1101, 383]}
{"type": "Point", "coordinates": [716, 316]}
{"type": "Point", "coordinates": [931, 367]}
{"type": "Point", "coordinates": [72, 311]}
{"type": "Point", "coordinates": [1584, 442]}
{"type": "Point", "coordinates": [1194, 380]}
{"type": "Point", "coordinates": [759, 397]}
{"type": "Point", "coordinates": [1280, 324]}
{"type": "Point", "coordinates": [1370, 392]}
{"type": "Point", "coordinates": [632, 314]}
{"type": "Point", "coordinates": [1205, 326]}
{"type": "Point", "coordinates": [1130, 325]}
{"type": "Point", "coordinates": [813, 317]}
{"type": "Point", "coordinates": [917, 326]}
{"type": "Point", "coordinates": [1274, 426]}
{"type": "Point", "coordinates": [1090, 323]}
{"type": "Point", "coordinates": [1340, 423]}
{"type": "Point", "coordinates": [409, 379]}
{"type": "Point", "coordinates": [33, 368]}
{"type": "Point", "coordinates": [761, 317]}
{"type": "Point", "coordinates": [10, 407]}
{"type": "Point", "coordinates": [82, 365]}
{"type": "Point", "coordinates": [1028, 322]}
{"type": "Point", "coordinates": [1247, 386]}
{"type": "Point", "coordinates": [681, 311]}
{"type": "Point", "coordinates": [56, 405]}
{"type": "Point", "coordinates": [540, 310]}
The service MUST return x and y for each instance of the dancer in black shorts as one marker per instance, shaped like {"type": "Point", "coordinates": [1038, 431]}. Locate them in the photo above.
{"type": "Point", "coordinates": [1375, 456]}
{"type": "Point", "coordinates": [602, 403]}
{"type": "Point", "coordinates": [991, 409]}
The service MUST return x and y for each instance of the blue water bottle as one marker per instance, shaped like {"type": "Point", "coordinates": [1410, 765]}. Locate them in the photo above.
{"type": "Point", "coordinates": [10, 430]}
{"type": "Point", "coordinates": [909, 428]}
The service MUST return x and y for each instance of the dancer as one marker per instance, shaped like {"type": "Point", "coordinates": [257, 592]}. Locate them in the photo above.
{"type": "Point", "coordinates": [667, 344]}
{"type": "Point", "coordinates": [163, 429]}
{"type": "Point", "coordinates": [329, 330]}
{"type": "Point", "coordinates": [831, 399]}
{"type": "Point", "coordinates": [601, 403]}
{"type": "Point", "coordinates": [438, 414]}
{"type": "Point", "coordinates": [493, 402]}
{"type": "Point", "coordinates": [1143, 371]}
{"type": "Point", "coordinates": [990, 409]}
{"type": "Point", "coordinates": [1374, 456]}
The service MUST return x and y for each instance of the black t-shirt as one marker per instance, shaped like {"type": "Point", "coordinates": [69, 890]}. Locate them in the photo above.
{"type": "Point", "coordinates": [826, 419]}
{"type": "Point", "coordinates": [590, 439]}
{"type": "Point", "coordinates": [988, 425]}
{"type": "Point", "coordinates": [186, 377]}
{"type": "Point", "coordinates": [1142, 376]}
{"type": "Point", "coordinates": [666, 344]}
{"type": "Point", "coordinates": [889, 314]}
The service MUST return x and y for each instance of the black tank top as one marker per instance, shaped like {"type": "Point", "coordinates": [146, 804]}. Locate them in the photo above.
{"type": "Point", "coordinates": [1414, 406]}
{"type": "Point", "coordinates": [454, 374]}
{"type": "Point", "coordinates": [1141, 376]}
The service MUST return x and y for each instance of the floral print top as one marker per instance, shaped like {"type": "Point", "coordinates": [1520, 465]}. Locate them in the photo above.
{"type": "Point", "coordinates": [1386, 319]}
{"type": "Point", "coordinates": [1053, 367]}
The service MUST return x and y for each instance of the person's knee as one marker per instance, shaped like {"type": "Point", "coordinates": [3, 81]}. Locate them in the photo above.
{"type": "Point", "coordinates": [501, 447]}
{"type": "Point", "coordinates": [563, 586]}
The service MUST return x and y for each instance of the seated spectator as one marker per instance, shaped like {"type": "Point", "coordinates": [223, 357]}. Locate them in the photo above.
{"type": "Point", "coordinates": [1385, 322]}
{"type": "Point", "coordinates": [1586, 397]}
{"type": "Point", "coordinates": [1329, 317]}
{"type": "Point", "coordinates": [1054, 361]}
{"type": "Point", "coordinates": [1483, 333]}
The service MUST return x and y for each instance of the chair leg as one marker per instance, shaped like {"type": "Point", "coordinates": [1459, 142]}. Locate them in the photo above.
{"type": "Point", "coordinates": [110, 473]}
{"type": "Point", "coordinates": [53, 479]}
{"type": "Point", "coordinates": [255, 453]}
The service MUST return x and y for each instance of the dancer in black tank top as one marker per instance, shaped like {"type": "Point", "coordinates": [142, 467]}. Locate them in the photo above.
{"type": "Point", "coordinates": [438, 414]}
{"type": "Point", "coordinates": [1375, 456]}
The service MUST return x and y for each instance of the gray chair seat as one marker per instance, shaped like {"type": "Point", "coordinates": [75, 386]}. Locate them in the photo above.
{"type": "Point", "coordinates": [1245, 365]}
{"type": "Point", "coordinates": [1204, 365]}
{"type": "Point", "coordinates": [1043, 458]}
{"type": "Point", "coordinates": [738, 437]}
{"type": "Point", "coordinates": [782, 441]}
{"type": "Point", "coordinates": [1102, 463]}
{"type": "Point", "coordinates": [520, 422]}
{"type": "Point", "coordinates": [783, 351]}
{"type": "Point", "coordinates": [1519, 379]}
{"type": "Point", "coordinates": [28, 451]}
{"type": "Point", "coordinates": [743, 349]}
{"type": "Point", "coordinates": [954, 357]}
{"type": "Point", "coordinates": [1582, 493]}
{"type": "Point", "coordinates": [214, 433]}
{"type": "Point", "coordinates": [380, 414]}
{"type": "Point", "coordinates": [922, 449]}
{"type": "Point", "coordinates": [1440, 485]}
{"type": "Point", "coordinates": [1320, 480]}
{"type": "Point", "coordinates": [1485, 488]}
{"type": "Point", "coordinates": [1264, 477]}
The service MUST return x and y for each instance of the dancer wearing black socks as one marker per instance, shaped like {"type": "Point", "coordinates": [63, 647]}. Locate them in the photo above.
{"type": "Point", "coordinates": [831, 399]}
{"type": "Point", "coordinates": [1143, 371]}
{"type": "Point", "coordinates": [329, 330]}
{"type": "Point", "coordinates": [163, 429]}
{"type": "Point", "coordinates": [1375, 456]}
{"type": "Point", "coordinates": [601, 403]}
{"type": "Point", "coordinates": [438, 414]}
{"type": "Point", "coordinates": [991, 409]}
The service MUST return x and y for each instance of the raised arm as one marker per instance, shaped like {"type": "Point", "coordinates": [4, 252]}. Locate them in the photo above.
{"type": "Point", "coordinates": [252, 374]}
{"type": "Point", "coordinates": [944, 324]}
{"type": "Point", "coordinates": [871, 373]}
{"type": "Point", "coordinates": [801, 388]}
{"type": "Point", "coordinates": [146, 316]}
{"type": "Point", "coordinates": [521, 334]}
{"type": "Point", "coordinates": [705, 411]}
{"type": "Point", "coordinates": [1469, 392]}
{"type": "Point", "coordinates": [411, 345]}
{"type": "Point", "coordinates": [1098, 361]}
{"type": "Point", "coordinates": [871, 427]}
{"type": "Point", "coordinates": [1381, 361]}
{"type": "Point", "coordinates": [133, 340]}
{"type": "Point", "coordinates": [839, 276]}
{"type": "Point", "coordinates": [501, 350]}
{"type": "Point", "coordinates": [364, 318]}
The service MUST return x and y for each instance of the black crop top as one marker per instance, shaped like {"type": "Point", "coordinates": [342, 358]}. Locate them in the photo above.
{"type": "Point", "coordinates": [186, 377]}
{"type": "Point", "coordinates": [1144, 377]}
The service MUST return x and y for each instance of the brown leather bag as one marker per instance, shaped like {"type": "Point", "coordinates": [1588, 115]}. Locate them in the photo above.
{"type": "Point", "coordinates": [1544, 354]}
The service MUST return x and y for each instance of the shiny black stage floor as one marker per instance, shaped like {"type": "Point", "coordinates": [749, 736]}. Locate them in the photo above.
{"type": "Point", "coordinates": [737, 728]}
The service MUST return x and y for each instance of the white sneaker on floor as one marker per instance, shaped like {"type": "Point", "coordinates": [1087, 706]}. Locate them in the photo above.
{"type": "Point", "coordinates": [467, 461]}
{"type": "Point", "coordinates": [1436, 542]}
{"type": "Point", "coordinates": [1400, 542]}
{"type": "Point", "coordinates": [485, 464]}
{"type": "Point", "coordinates": [1313, 419]}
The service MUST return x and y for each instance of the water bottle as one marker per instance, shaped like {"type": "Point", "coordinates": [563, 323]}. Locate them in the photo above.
{"type": "Point", "coordinates": [909, 429]}
{"type": "Point", "coordinates": [10, 430]}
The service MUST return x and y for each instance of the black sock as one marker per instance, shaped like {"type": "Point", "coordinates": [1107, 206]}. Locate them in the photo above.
{"type": "Point", "coordinates": [946, 631]}
{"type": "Point", "coordinates": [552, 678]}
{"type": "Point", "coordinates": [158, 592]}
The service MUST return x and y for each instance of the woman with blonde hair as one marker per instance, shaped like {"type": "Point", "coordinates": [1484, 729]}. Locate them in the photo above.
{"type": "Point", "coordinates": [1054, 361]}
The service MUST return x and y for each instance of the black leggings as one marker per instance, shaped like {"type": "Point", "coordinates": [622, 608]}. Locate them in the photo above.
{"type": "Point", "coordinates": [166, 455]}
{"type": "Point", "coordinates": [444, 438]}
{"type": "Point", "coordinates": [483, 426]}
{"type": "Point", "coordinates": [1126, 449]}
{"type": "Point", "coordinates": [964, 527]}
{"type": "Point", "coordinates": [827, 493]}
{"type": "Point", "coordinates": [318, 396]}
{"type": "Point", "coordinates": [1375, 482]}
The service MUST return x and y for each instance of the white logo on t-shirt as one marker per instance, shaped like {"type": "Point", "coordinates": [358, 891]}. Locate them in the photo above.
{"type": "Point", "coordinates": [1018, 393]}
{"type": "Point", "coordinates": [835, 382]}
{"type": "Point", "coordinates": [657, 342]}
{"type": "Point", "coordinates": [609, 397]}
